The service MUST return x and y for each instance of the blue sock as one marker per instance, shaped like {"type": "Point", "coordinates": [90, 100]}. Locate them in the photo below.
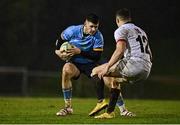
{"type": "Point", "coordinates": [120, 101]}
{"type": "Point", "coordinates": [67, 93]}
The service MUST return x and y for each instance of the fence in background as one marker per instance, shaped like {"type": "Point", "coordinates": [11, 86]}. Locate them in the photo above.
{"type": "Point", "coordinates": [24, 75]}
{"type": "Point", "coordinates": [24, 82]}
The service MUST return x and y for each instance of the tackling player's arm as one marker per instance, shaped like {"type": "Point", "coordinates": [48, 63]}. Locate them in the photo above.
{"type": "Point", "coordinates": [118, 54]}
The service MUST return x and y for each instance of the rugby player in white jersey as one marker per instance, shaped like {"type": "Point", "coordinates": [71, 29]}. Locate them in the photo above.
{"type": "Point", "coordinates": [132, 44]}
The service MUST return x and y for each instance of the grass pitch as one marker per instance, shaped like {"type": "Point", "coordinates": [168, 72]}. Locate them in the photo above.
{"type": "Point", "coordinates": [42, 111]}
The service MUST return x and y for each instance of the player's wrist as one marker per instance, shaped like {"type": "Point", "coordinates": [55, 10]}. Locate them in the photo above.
{"type": "Point", "coordinates": [107, 66]}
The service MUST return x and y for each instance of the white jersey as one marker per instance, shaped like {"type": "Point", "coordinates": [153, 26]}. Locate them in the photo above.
{"type": "Point", "coordinates": [137, 41]}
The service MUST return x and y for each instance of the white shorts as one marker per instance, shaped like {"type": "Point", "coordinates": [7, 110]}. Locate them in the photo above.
{"type": "Point", "coordinates": [133, 69]}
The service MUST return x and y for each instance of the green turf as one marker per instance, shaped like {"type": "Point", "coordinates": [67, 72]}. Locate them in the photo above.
{"type": "Point", "coordinates": [42, 111]}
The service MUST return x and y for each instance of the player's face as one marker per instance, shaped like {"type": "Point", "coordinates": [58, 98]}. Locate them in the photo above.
{"type": "Point", "coordinates": [90, 28]}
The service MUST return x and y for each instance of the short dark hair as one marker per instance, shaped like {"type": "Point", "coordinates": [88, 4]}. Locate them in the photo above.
{"type": "Point", "coordinates": [124, 14]}
{"type": "Point", "coordinates": [92, 18]}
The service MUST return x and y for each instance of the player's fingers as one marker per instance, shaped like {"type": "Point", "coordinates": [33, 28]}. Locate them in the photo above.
{"type": "Point", "coordinates": [56, 51]}
{"type": "Point", "coordinates": [99, 75]}
{"type": "Point", "coordinates": [71, 55]}
{"type": "Point", "coordinates": [92, 74]}
{"type": "Point", "coordinates": [61, 50]}
{"type": "Point", "coordinates": [68, 51]}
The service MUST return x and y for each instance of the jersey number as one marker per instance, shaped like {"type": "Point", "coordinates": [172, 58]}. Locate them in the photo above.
{"type": "Point", "coordinates": [144, 44]}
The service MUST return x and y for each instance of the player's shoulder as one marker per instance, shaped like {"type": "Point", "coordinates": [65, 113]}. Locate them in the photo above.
{"type": "Point", "coordinates": [98, 35]}
{"type": "Point", "coordinates": [125, 27]}
{"type": "Point", "coordinates": [134, 26]}
{"type": "Point", "coordinates": [128, 26]}
{"type": "Point", "coordinates": [121, 29]}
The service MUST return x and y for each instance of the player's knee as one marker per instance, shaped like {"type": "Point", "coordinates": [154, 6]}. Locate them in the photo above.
{"type": "Point", "coordinates": [107, 81]}
{"type": "Point", "coordinates": [67, 70]}
{"type": "Point", "coordinates": [115, 84]}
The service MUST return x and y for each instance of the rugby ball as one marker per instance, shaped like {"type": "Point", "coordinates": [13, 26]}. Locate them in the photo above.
{"type": "Point", "coordinates": [65, 46]}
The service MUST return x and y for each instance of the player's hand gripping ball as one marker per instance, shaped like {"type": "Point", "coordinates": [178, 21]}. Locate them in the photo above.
{"type": "Point", "coordinates": [64, 55]}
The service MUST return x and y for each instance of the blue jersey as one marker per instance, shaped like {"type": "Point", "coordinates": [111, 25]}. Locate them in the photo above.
{"type": "Point", "coordinates": [74, 34]}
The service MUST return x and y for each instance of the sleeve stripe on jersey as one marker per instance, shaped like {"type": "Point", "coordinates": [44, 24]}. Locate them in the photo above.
{"type": "Point", "coordinates": [121, 40]}
{"type": "Point", "coordinates": [98, 49]}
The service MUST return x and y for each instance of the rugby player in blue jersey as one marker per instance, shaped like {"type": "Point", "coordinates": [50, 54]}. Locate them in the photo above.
{"type": "Point", "coordinates": [88, 42]}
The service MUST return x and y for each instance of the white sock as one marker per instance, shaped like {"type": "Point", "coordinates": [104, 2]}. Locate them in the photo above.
{"type": "Point", "coordinates": [122, 108]}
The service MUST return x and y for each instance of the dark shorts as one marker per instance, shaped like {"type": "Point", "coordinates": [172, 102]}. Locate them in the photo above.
{"type": "Point", "coordinates": [85, 69]}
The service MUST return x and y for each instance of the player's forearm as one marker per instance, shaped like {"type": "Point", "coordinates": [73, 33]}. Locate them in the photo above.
{"type": "Point", "coordinates": [115, 57]}
{"type": "Point", "coordinates": [59, 42]}
{"type": "Point", "coordinates": [94, 55]}
{"type": "Point", "coordinates": [118, 53]}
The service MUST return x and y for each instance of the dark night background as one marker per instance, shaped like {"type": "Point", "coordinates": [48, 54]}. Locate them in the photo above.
{"type": "Point", "coordinates": [29, 28]}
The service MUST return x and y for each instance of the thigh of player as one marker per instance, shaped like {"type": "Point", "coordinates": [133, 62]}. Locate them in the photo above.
{"type": "Point", "coordinates": [98, 69]}
{"type": "Point", "coordinates": [134, 71]}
